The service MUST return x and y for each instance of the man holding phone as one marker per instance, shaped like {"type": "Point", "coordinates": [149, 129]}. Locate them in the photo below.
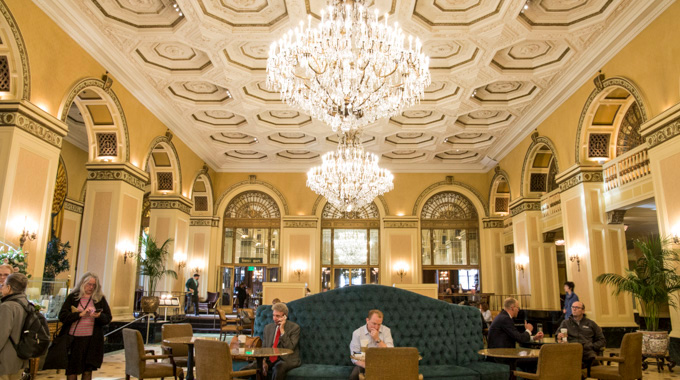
{"type": "Point", "coordinates": [281, 334]}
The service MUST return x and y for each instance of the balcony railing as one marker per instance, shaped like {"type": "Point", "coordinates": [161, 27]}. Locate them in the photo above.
{"type": "Point", "coordinates": [551, 203]}
{"type": "Point", "coordinates": [626, 168]}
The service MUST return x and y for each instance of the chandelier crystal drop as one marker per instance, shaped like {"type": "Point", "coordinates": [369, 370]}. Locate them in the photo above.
{"type": "Point", "coordinates": [351, 69]}
{"type": "Point", "coordinates": [349, 178]}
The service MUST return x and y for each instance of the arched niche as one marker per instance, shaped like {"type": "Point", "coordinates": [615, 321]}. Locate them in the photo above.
{"type": "Point", "coordinates": [449, 185]}
{"type": "Point", "coordinates": [202, 195]}
{"type": "Point", "coordinates": [15, 78]}
{"type": "Point", "coordinates": [252, 184]}
{"type": "Point", "coordinates": [610, 121]}
{"type": "Point", "coordinates": [321, 205]}
{"type": "Point", "coordinates": [162, 164]}
{"type": "Point", "coordinates": [96, 122]}
{"type": "Point", "coordinates": [499, 194]}
{"type": "Point", "coordinates": [539, 169]}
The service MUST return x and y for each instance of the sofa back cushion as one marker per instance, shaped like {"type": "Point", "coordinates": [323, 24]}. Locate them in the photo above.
{"type": "Point", "coordinates": [442, 333]}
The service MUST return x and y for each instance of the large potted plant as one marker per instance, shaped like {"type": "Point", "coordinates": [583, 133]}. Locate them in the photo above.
{"type": "Point", "coordinates": [653, 283]}
{"type": "Point", "coordinates": [151, 263]}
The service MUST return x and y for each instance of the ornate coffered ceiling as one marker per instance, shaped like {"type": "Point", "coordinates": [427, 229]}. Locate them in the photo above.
{"type": "Point", "coordinates": [497, 71]}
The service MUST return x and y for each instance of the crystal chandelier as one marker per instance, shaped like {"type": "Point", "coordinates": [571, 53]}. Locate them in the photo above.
{"type": "Point", "coordinates": [349, 178]}
{"type": "Point", "coordinates": [350, 247]}
{"type": "Point", "coordinates": [350, 70]}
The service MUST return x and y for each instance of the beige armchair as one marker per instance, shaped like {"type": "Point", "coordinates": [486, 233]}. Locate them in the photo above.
{"type": "Point", "coordinates": [557, 362]}
{"type": "Point", "coordinates": [630, 361]}
{"type": "Point", "coordinates": [394, 363]}
{"type": "Point", "coordinates": [213, 361]}
{"type": "Point", "coordinates": [136, 360]}
{"type": "Point", "coordinates": [251, 316]}
{"type": "Point", "coordinates": [180, 352]}
{"type": "Point", "coordinates": [229, 326]}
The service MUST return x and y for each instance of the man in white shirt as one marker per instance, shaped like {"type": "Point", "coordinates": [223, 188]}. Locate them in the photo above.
{"type": "Point", "coordinates": [372, 334]}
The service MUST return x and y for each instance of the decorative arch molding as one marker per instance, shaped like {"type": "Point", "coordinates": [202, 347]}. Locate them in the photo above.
{"type": "Point", "coordinates": [164, 140]}
{"type": "Point", "coordinates": [23, 91]}
{"type": "Point", "coordinates": [203, 171]}
{"type": "Point", "coordinates": [498, 174]}
{"type": "Point", "coordinates": [600, 86]}
{"type": "Point", "coordinates": [251, 184]}
{"type": "Point", "coordinates": [537, 141]}
{"type": "Point", "coordinates": [104, 87]}
{"type": "Point", "coordinates": [204, 176]}
{"type": "Point", "coordinates": [459, 187]}
{"type": "Point", "coordinates": [321, 201]}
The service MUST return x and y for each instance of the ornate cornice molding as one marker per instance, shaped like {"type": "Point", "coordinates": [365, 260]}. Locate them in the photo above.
{"type": "Point", "coordinates": [579, 174]}
{"type": "Point", "coordinates": [31, 119]}
{"type": "Point", "coordinates": [488, 223]}
{"type": "Point", "coordinates": [204, 222]}
{"type": "Point", "coordinates": [252, 181]}
{"type": "Point", "coordinates": [664, 127]}
{"type": "Point", "coordinates": [448, 182]}
{"type": "Point", "coordinates": [300, 223]}
{"type": "Point", "coordinates": [400, 224]}
{"type": "Point", "coordinates": [171, 203]}
{"type": "Point", "coordinates": [21, 47]}
{"type": "Point", "coordinates": [118, 172]}
{"type": "Point", "coordinates": [524, 204]}
{"type": "Point", "coordinates": [98, 83]}
{"type": "Point", "coordinates": [73, 206]}
{"type": "Point", "coordinates": [601, 85]}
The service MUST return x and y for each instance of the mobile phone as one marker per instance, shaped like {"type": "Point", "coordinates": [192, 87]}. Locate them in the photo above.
{"type": "Point", "coordinates": [99, 310]}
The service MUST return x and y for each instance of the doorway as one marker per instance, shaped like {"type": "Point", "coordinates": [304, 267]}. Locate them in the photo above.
{"type": "Point", "coordinates": [252, 277]}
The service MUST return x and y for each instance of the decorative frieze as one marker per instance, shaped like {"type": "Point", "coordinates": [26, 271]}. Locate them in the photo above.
{"type": "Point", "coordinates": [300, 223]}
{"type": "Point", "coordinates": [204, 222]}
{"type": "Point", "coordinates": [170, 203]}
{"type": "Point", "coordinates": [664, 133]}
{"type": "Point", "coordinates": [18, 115]}
{"type": "Point", "coordinates": [117, 172]}
{"type": "Point", "coordinates": [73, 206]}
{"type": "Point", "coordinates": [492, 223]}
{"type": "Point", "coordinates": [332, 223]}
{"type": "Point", "coordinates": [615, 216]}
{"type": "Point", "coordinates": [400, 224]}
{"type": "Point", "coordinates": [525, 205]}
{"type": "Point", "coordinates": [580, 175]}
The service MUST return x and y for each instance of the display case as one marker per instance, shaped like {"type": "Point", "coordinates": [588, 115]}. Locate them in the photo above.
{"type": "Point", "coordinates": [49, 294]}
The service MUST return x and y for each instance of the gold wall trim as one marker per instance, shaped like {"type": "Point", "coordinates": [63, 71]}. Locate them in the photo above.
{"type": "Point", "coordinates": [525, 205]}
{"type": "Point", "coordinates": [357, 223]}
{"type": "Point", "coordinates": [171, 203]}
{"type": "Point", "coordinates": [26, 116]}
{"type": "Point", "coordinates": [73, 206]}
{"type": "Point", "coordinates": [400, 224]}
{"type": "Point", "coordinates": [300, 223]}
{"type": "Point", "coordinates": [21, 47]}
{"type": "Point", "coordinates": [663, 133]}
{"type": "Point", "coordinates": [492, 223]}
{"type": "Point", "coordinates": [578, 175]}
{"type": "Point", "coordinates": [118, 172]}
{"type": "Point", "coordinates": [204, 222]}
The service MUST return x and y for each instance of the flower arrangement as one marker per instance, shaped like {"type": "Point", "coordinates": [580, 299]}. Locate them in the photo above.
{"type": "Point", "coordinates": [14, 257]}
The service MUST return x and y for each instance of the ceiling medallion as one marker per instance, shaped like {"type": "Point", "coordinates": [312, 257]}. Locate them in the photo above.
{"type": "Point", "coordinates": [351, 69]}
{"type": "Point", "coordinates": [349, 178]}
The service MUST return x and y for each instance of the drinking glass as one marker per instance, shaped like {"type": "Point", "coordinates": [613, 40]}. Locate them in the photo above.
{"type": "Point", "coordinates": [539, 328]}
{"type": "Point", "coordinates": [564, 335]}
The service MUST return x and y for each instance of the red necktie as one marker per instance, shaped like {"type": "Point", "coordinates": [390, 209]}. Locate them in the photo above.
{"type": "Point", "coordinates": [276, 343]}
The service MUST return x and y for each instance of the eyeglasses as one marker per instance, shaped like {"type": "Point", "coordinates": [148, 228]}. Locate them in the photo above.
{"type": "Point", "coordinates": [576, 307]}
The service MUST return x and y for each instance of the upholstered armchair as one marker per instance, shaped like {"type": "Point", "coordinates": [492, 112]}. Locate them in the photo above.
{"type": "Point", "coordinates": [209, 303]}
{"type": "Point", "coordinates": [213, 361]}
{"type": "Point", "coordinates": [630, 361]}
{"type": "Point", "coordinates": [179, 352]}
{"type": "Point", "coordinates": [250, 313]}
{"type": "Point", "coordinates": [228, 326]}
{"type": "Point", "coordinates": [136, 360]}
{"type": "Point", "coordinates": [394, 363]}
{"type": "Point", "coordinates": [557, 362]}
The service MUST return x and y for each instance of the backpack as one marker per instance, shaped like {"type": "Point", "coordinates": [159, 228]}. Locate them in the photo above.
{"type": "Point", "coordinates": [35, 335]}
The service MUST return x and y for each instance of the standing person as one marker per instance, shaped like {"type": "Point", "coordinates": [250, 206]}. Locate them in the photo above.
{"type": "Point", "coordinates": [585, 331]}
{"type": "Point", "coordinates": [12, 315]}
{"type": "Point", "coordinates": [374, 334]}
{"type": "Point", "coordinates": [241, 294]}
{"type": "Point", "coordinates": [5, 270]}
{"type": "Point", "coordinates": [84, 313]}
{"type": "Point", "coordinates": [192, 289]}
{"type": "Point", "coordinates": [569, 299]}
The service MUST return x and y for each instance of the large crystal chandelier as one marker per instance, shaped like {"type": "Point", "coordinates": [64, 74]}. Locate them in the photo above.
{"type": "Point", "coordinates": [349, 178]}
{"type": "Point", "coordinates": [351, 69]}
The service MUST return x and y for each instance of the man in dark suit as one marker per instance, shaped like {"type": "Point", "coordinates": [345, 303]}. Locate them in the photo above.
{"type": "Point", "coordinates": [281, 334]}
{"type": "Point", "coordinates": [504, 334]}
{"type": "Point", "coordinates": [192, 296]}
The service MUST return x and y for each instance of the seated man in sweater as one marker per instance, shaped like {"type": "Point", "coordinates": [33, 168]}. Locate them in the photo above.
{"type": "Point", "coordinates": [504, 334]}
{"type": "Point", "coordinates": [583, 330]}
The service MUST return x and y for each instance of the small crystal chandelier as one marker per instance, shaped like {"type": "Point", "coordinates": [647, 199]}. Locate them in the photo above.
{"type": "Point", "coordinates": [349, 178]}
{"type": "Point", "coordinates": [350, 70]}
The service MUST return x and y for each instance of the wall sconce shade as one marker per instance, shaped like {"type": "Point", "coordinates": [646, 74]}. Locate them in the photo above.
{"type": "Point", "coordinates": [298, 269]}
{"type": "Point", "coordinates": [521, 263]}
{"type": "Point", "coordinates": [180, 260]}
{"type": "Point", "coordinates": [400, 269]}
{"type": "Point", "coordinates": [575, 255]}
{"type": "Point", "coordinates": [26, 234]}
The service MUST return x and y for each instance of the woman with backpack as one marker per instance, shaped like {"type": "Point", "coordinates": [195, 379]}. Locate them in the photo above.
{"type": "Point", "coordinates": [84, 313]}
{"type": "Point", "coordinates": [12, 315]}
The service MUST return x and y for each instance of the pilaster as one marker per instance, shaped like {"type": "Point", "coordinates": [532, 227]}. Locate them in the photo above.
{"type": "Point", "coordinates": [110, 226]}
{"type": "Point", "coordinates": [497, 267]}
{"type": "Point", "coordinates": [200, 237]}
{"type": "Point", "coordinates": [30, 144]}
{"type": "Point", "coordinates": [299, 250]}
{"type": "Point", "coordinates": [599, 246]}
{"type": "Point", "coordinates": [400, 245]}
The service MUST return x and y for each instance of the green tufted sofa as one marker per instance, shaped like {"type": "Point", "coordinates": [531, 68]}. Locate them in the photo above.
{"type": "Point", "coordinates": [447, 336]}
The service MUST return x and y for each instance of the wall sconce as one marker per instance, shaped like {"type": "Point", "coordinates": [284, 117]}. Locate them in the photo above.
{"type": "Point", "coordinates": [575, 254]}
{"type": "Point", "coordinates": [298, 269]}
{"type": "Point", "coordinates": [521, 263]}
{"type": "Point", "coordinates": [559, 242]}
{"type": "Point", "coordinates": [196, 265]}
{"type": "Point", "coordinates": [27, 234]}
{"type": "Point", "coordinates": [675, 234]}
{"type": "Point", "coordinates": [400, 269]}
{"type": "Point", "coordinates": [128, 250]}
{"type": "Point", "coordinates": [180, 260]}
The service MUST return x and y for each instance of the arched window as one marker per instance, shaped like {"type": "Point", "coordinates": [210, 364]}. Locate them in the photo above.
{"type": "Point", "coordinates": [350, 246]}
{"type": "Point", "coordinates": [450, 241]}
{"type": "Point", "coordinates": [201, 194]}
{"type": "Point", "coordinates": [540, 171]}
{"type": "Point", "coordinates": [252, 240]}
{"type": "Point", "coordinates": [500, 196]}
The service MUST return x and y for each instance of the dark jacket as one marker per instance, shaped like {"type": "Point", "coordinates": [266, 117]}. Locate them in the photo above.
{"type": "Point", "coordinates": [290, 339]}
{"type": "Point", "coordinates": [12, 315]}
{"type": "Point", "coordinates": [587, 332]}
{"type": "Point", "coordinates": [192, 284]}
{"type": "Point", "coordinates": [68, 318]}
{"type": "Point", "coordinates": [241, 292]}
{"type": "Point", "coordinates": [504, 334]}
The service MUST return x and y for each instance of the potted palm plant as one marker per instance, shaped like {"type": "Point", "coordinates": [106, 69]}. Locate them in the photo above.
{"type": "Point", "coordinates": [151, 263]}
{"type": "Point", "coordinates": [653, 283]}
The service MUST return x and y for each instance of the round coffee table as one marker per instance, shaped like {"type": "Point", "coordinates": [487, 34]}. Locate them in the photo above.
{"type": "Point", "coordinates": [510, 353]}
{"type": "Point", "coordinates": [259, 353]}
{"type": "Point", "coordinates": [189, 341]}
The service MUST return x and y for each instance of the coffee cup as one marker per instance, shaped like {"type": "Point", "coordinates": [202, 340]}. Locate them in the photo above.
{"type": "Point", "coordinates": [364, 344]}
{"type": "Point", "coordinates": [564, 335]}
{"type": "Point", "coordinates": [241, 341]}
